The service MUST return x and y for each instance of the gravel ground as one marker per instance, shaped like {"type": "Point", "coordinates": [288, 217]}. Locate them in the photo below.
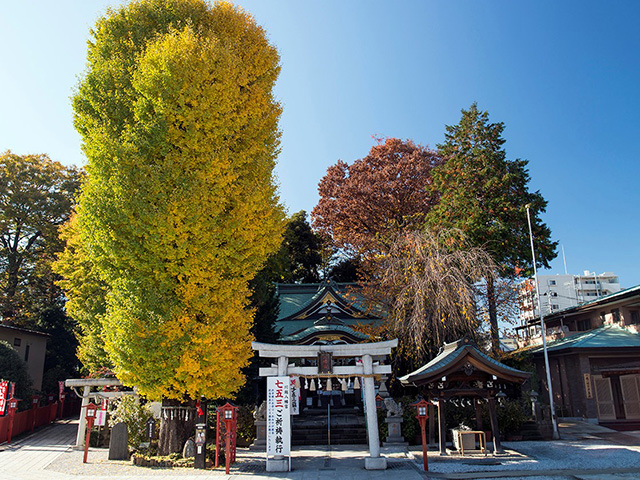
{"type": "Point", "coordinates": [557, 455]}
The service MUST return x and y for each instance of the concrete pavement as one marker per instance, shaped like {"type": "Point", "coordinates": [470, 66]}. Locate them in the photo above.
{"type": "Point", "coordinates": [587, 452]}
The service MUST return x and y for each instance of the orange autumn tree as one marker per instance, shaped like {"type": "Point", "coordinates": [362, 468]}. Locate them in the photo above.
{"type": "Point", "coordinates": [363, 205]}
{"type": "Point", "coordinates": [180, 209]}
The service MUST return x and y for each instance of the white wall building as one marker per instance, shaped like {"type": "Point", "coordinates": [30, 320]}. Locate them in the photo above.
{"type": "Point", "coordinates": [558, 292]}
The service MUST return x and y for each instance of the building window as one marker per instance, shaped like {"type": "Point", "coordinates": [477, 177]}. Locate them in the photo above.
{"type": "Point", "coordinates": [553, 294]}
{"type": "Point", "coordinates": [552, 282]}
{"type": "Point", "coordinates": [583, 325]}
{"type": "Point", "coordinates": [26, 353]}
{"type": "Point", "coordinates": [16, 342]}
{"type": "Point", "coordinates": [554, 307]}
{"type": "Point", "coordinates": [635, 317]}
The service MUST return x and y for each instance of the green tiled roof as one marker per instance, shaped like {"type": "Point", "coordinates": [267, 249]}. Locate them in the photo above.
{"type": "Point", "coordinates": [450, 354]}
{"type": "Point", "coordinates": [322, 328]}
{"type": "Point", "coordinates": [299, 305]}
{"type": "Point", "coordinates": [293, 303]}
{"type": "Point", "coordinates": [609, 336]}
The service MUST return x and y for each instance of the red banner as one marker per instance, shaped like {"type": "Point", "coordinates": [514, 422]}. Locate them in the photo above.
{"type": "Point", "coordinates": [4, 387]}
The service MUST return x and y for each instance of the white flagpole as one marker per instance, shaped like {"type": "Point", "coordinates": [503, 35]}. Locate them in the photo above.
{"type": "Point", "coordinates": [554, 421]}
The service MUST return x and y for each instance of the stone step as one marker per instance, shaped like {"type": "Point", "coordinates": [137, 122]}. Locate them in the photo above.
{"type": "Point", "coordinates": [318, 435]}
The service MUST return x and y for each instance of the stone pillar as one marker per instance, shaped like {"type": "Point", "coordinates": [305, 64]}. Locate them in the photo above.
{"type": "Point", "coordinates": [261, 433]}
{"type": "Point", "coordinates": [495, 431]}
{"type": "Point", "coordinates": [442, 427]}
{"type": "Point", "coordinates": [374, 461]}
{"type": "Point", "coordinates": [283, 363]}
{"type": "Point", "coordinates": [82, 424]}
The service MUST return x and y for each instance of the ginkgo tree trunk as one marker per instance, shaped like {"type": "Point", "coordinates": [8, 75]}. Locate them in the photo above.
{"type": "Point", "coordinates": [180, 209]}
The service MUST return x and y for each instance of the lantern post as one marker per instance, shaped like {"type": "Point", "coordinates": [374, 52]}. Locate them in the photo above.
{"type": "Point", "coordinates": [421, 415]}
{"type": "Point", "coordinates": [61, 396]}
{"type": "Point", "coordinates": [228, 414]}
{"type": "Point", "coordinates": [35, 400]}
{"type": "Point", "coordinates": [90, 417]}
{"type": "Point", "coordinates": [13, 406]}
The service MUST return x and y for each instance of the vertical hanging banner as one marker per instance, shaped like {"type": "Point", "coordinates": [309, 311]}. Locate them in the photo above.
{"type": "Point", "coordinates": [4, 388]}
{"type": "Point", "coordinates": [278, 416]}
{"type": "Point", "coordinates": [60, 390]}
{"type": "Point", "coordinates": [295, 395]}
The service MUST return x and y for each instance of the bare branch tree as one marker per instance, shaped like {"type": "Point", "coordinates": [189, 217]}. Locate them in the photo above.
{"type": "Point", "coordinates": [427, 284]}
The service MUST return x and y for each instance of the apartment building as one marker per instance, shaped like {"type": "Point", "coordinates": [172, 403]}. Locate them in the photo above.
{"type": "Point", "coordinates": [558, 292]}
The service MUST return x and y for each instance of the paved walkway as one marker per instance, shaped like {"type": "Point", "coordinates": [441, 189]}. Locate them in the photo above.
{"type": "Point", "coordinates": [587, 452]}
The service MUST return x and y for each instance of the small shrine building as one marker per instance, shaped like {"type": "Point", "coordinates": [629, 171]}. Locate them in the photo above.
{"type": "Point", "coordinates": [463, 373]}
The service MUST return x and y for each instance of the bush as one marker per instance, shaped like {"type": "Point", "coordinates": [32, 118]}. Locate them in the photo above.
{"type": "Point", "coordinates": [133, 414]}
{"type": "Point", "coordinates": [511, 416]}
{"type": "Point", "coordinates": [246, 432]}
{"type": "Point", "coordinates": [14, 369]}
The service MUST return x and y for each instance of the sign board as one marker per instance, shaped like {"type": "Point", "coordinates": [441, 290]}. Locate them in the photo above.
{"type": "Point", "coordinates": [278, 416]}
{"type": "Point", "coordinates": [101, 418]}
{"type": "Point", "coordinates": [61, 390]}
{"type": "Point", "coordinates": [4, 388]}
{"type": "Point", "coordinates": [325, 362]}
{"type": "Point", "coordinates": [587, 385]}
{"type": "Point", "coordinates": [295, 395]}
{"type": "Point", "coordinates": [150, 428]}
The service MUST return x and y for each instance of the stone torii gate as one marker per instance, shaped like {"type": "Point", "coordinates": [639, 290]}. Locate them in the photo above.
{"type": "Point", "coordinates": [367, 351]}
{"type": "Point", "coordinates": [86, 384]}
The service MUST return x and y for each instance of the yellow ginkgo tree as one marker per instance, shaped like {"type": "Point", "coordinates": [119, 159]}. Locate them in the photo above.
{"type": "Point", "coordinates": [180, 207]}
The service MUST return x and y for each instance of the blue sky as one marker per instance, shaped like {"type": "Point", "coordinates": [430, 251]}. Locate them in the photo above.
{"type": "Point", "coordinates": [562, 76]}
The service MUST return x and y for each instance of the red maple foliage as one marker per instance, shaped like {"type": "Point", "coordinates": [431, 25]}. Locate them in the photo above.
{"type": "Point", "coordinates": [364, 204]}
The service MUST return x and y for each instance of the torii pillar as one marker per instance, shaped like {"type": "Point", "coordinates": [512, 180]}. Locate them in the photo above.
{"type": "Point", "coordinates": [367, 370]}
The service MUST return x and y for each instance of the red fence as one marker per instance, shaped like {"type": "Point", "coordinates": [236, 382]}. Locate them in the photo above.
{"type": "Point", "coordinates": [36, 417]}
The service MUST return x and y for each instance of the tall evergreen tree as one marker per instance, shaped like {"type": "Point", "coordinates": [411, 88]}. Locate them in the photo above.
{"type": "Point", "coordinates": [484, 194]}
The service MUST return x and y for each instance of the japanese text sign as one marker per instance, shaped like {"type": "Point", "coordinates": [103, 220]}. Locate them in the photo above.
{"type": "Point", "coordinates": [295, 395]}
{"type": "Point", "coordinates": [278, 416]}
{"type": "Point", "coordinates": [4, 387]}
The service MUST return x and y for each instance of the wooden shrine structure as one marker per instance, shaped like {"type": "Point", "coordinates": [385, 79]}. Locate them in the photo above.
{"type": "Point", "coordinates": [461, 372]}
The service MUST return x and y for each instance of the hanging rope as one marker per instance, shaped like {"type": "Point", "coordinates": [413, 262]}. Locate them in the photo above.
{"type": "Point", "coordinates": [334, 375]}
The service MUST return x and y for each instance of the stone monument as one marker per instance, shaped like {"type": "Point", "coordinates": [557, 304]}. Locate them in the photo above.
{"type": "Point", "coordinates": [260, 420]}
{"type": "Point", "coordinates": [189, 449]}
{"type": "Point", "coordinates": [394, 423]}
{"type": "Point", "coordinates": [118, 443]}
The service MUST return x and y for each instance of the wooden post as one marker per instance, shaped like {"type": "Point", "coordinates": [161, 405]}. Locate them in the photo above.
{"type": "Point", "coordinates": [495, 431]}
{"type": "Point", "coordinates": [479, 425]}
{"type": "Point", "coordinates": [442, 436]}
{"type": "Point", "coordinates": [34, 410]}
{"type": "Point", "coordinates": [218, 423]}
{"type": "Point", "coordinates": [432, 424]}
{"type": "Point", "coordinates": [86, 440]}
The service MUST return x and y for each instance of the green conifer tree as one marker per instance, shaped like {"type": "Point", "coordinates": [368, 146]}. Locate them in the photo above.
{"type": "Point", "coordinates": [484, 194]}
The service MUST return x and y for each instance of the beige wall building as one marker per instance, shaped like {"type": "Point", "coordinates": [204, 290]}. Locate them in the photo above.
{"type": "Point", "coordinates": [31, 346]}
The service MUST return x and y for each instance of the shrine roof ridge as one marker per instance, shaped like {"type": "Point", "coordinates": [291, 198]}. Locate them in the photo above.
{"type": "Point", "coordinates": [453, 352]}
